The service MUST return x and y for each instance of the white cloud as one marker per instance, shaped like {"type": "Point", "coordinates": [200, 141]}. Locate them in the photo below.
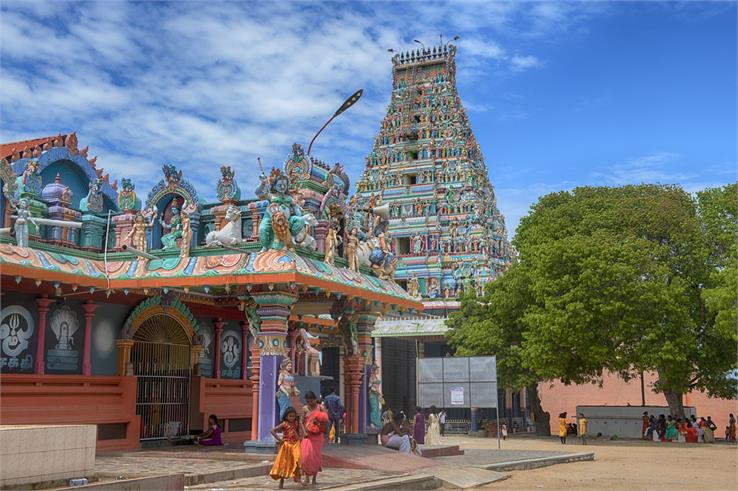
{"type": "Point", "coordinates": [524, 62]}
{"type": "Point", "coordinates": [200, 84]}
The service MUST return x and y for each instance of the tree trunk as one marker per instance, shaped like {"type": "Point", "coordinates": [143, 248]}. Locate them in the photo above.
{"type": "Point", "coordinates": [541, 417]}
{"type": "Point", "coordinates": [675, 400]}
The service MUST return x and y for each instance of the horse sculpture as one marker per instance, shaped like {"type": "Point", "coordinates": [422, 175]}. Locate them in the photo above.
{"type": "Point", "coordinates": [230, 233]}
{"type": "Point", "coordinates": [303, 238]}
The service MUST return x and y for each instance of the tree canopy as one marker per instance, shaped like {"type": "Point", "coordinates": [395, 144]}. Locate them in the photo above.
{"type": "Point", "coordinates": [627, 279]}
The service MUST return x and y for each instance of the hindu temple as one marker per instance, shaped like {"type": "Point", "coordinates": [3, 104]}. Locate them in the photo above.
{"type": "Point", "coordinates": [144, 311]}
{"type": "Point", "coordinates": [428, 171]}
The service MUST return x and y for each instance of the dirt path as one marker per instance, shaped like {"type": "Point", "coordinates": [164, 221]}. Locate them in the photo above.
{"type": "Point", "coordinates": [623, 465]}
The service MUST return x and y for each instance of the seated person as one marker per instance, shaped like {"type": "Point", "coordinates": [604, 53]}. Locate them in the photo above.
{"type": "Point", "coordinates": [394, 435]}
{"type": "Point", "coordinates": [212, 435]}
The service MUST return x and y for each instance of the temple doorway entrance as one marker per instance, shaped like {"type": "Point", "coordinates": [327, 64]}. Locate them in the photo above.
{"type": "Point", "coordinates": [161, 360]}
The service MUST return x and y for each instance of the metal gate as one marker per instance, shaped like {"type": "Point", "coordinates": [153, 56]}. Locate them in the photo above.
{"type": "Point", "coordinates": [163, 370]}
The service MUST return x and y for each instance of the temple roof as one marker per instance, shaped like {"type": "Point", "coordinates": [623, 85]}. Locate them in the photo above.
{"type": "Point", "coordinates": [7, 149]}
{"type": "Point", "coordinates": [247, 268]}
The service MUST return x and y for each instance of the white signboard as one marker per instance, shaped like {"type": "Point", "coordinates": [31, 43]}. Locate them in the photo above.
{"type": "Point", "coordinates": [457, 396]}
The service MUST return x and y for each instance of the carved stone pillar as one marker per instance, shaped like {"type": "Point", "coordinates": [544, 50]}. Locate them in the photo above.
{"type": "Point", "coordinates": [43, 309]}
{"type": "Point", "coordinates": [321, 230]}
{"type": "Point", "coordinates": [195, 351]}
{"type": "Point", "coordinates": [218, 331]}
{"type": "Point", "coordinates": [354, 370]}
{"type": "Point", "coordinates": [365, 325]}
{"type": "Point", "coordinates": [124, 357]}
{"type": "Point", "coordinates": [89, 308]}
{"type": "Point", "coordinates": [273, 308]}
{"type": "Point", "coordinates": [255, 219]}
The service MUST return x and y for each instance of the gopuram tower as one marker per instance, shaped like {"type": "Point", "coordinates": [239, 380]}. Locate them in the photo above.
{"type": "Point", "coordinates": [427, 171]}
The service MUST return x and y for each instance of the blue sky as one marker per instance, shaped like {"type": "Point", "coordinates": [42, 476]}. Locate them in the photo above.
{"type": "Point", "coordinates": [559, 94]}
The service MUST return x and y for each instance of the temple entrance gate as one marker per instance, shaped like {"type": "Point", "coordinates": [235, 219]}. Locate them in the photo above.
{"type": "Point", "coordinates": [160, 357]}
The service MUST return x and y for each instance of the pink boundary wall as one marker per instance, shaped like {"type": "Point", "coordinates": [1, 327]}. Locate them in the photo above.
{"type": "Point", "coordinates": [557, 397]}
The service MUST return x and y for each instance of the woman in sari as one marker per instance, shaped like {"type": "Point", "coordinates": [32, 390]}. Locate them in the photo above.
{"type": "Point", "coordinates": [434, 428]}
{"type": "Point", "coordinates": [419, 431]}
{"type": "Point", "coordinates": [562, 427]}
{"type": "Point", "coordinates": [316, 422]}
{"type": "Point", "coordinates": [672, 432]}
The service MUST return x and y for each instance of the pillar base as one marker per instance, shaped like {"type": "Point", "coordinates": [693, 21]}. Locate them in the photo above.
{"type": "Point", "coordinates": [354, 439]}
{"type": "Point", "coordinates": [255, 446]}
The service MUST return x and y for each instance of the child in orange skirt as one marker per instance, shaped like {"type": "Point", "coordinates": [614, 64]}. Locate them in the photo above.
{"type": "Point", "coordinates": [288, 463]}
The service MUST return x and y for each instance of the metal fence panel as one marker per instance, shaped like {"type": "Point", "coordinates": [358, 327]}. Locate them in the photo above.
{"type": "Point", "coordinates": [455, 369]}
{"type": "Point", "coordinates": [431, 370]}
{"type": "Point", "coordinates": [430, 395]}
{"type": "Point", "coordinates": [483, 369]}
{"type": "Point", "coordinates": [483, 394]}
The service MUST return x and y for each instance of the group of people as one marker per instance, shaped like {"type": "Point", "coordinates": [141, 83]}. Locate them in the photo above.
{"type": "Point", "coordinates": [404, 434]}
{"type": "Point", "coordinates": [690, 430]}
{"type": "Point", "coordinates": [566, 428]}
{"type": "Point", "coordinates": [300, 440]}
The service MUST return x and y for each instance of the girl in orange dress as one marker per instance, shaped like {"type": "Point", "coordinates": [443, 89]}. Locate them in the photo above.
{"type": "Point", "coordinates": [288, 463]}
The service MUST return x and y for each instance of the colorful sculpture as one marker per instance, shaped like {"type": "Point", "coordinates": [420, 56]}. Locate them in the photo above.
{"type": "Point", "coordinates": [376, 400]}
{"type": "Point", "coordinates": [331, 242]}
{"type": "Point", "coordinates": [93, 202]}
{"type": "Point", "coordinates": [23, 216]}
{"type": "Point", "coordinates": [127, 199]}
{"type": "Point", "coordinates": [169, 240]}
{"type": "Point", "coordinates": [228, 191]}
{"type": "Point", "coordinates": [186, 235]}
{"type": "Point", "coordinates": [285, 386]}
{"type": "Point", "coordinates": [29, 183]}
{"type": "Point", "coordinates": [352, 248]}
{"type": "Point", "coordinates": [283, 219]}
{"type": "Point", "coordinates": [137, 236]}
{"type": "Point", "coordinates": [230, 233]}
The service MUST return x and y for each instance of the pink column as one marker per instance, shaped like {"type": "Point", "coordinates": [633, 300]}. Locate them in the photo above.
{"type": "Point", "coordinates": [89, 308]}
{"type": "Point", "coordinates": [218, 331]}
{"type": "Point", "coordinates": [43, 309]}
{"type": "Point", "coordinates": [244, 350]}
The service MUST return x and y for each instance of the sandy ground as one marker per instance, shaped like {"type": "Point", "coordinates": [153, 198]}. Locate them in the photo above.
{"type": "Point", "coordinates": [630, 465]}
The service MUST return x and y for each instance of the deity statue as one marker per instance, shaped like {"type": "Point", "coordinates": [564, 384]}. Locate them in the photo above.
{"type": "Point", "coordinates": [30, 181]}
{"type": "Point", "coordinates": [283, 219]}
{"type": "Point", "coordinates": [331, 242]}
{"type": "Point", "coordinates": [127, 200]}
{"type": "Point", "coordinates": [310, 354]}
{"type": "Point", "coordinates": [417, 243]}
{"type": "Point", "coordinates": [227, 190]}
{"type": "Point", "coordinates": [169, 240]}
{"type": "Point", "coordinates": [230, 232]}
{"type": "Point", "coordinates": [376, 401]}
{"type": "Point", "coordinates": [413, 287]}
{"type": "Point", "coordinates": [94, 200]}
{"type": "Point", "coordinates": [383, 260]}
{"type": "Point", "coordinates": [286, 386]}
{"type": "Point", "coordinates": [23, 216]}
{"type": "Point", "coordinates": [352, 248]}
{"type": "Point", "coordinates": [186, 235]}
{"type": "Point", "coordinates": [138, 231]}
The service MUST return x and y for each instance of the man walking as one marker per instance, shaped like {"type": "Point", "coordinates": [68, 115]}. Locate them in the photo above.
{"type": "Point", "coordinates": [646, 423]}
{"type": "Point", "coordinates": [335, 412]}
{"type": "Point", "coordinates": [442, 422]}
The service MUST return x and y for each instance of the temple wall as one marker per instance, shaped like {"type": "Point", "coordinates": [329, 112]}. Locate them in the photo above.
{"type": "Point", "coordinates": [18, 351]}
{"type": "Point", "coordinates": [106, 326]}
{"type": "Point", "coordinates": [557, 398]}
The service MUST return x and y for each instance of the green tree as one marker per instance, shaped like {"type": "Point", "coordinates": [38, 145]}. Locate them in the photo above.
{"type": "Point", "coordinates": [629, 279]}
{"type": "Point", "coordinates": [621, 275]}
{"type": "Point", "coordinates": [492, 324]}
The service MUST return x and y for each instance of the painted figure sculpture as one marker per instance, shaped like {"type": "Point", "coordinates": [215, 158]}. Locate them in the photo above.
{"type": "Point", "coordinates": [376, 401]}
{"type": "Point", "coordinates": [169, 240]}
{"type": "Point", "coordinates": [283, 219]}
{"type": "Point", "coordinates": [137, 236]}
{"type": "Point", "coordinates": [285, 386]}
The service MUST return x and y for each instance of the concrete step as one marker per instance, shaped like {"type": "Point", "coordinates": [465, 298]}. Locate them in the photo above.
{"type": "Point", "coordinates": [535, 463]}
{"type": "Point", "coordinates": [466, 477]}
{"type": "Point", "coordinates": [417, 482]}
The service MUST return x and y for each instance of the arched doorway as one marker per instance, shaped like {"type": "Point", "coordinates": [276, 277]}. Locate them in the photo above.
{"type": "Point", "coordinates": [161, 359]}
